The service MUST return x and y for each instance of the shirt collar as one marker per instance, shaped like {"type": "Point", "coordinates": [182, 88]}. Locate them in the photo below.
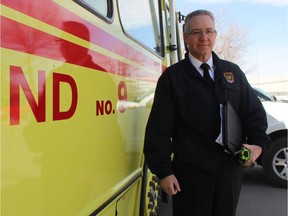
{"type": "Point", "coordinates": [196, 63]}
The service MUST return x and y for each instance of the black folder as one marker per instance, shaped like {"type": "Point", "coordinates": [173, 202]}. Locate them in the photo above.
{"type": "Point", "coordinates": [232, 132]}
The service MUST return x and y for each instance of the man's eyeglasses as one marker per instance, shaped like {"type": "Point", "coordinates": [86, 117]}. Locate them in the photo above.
{"type": "Point", "coordinates": [199, 33]}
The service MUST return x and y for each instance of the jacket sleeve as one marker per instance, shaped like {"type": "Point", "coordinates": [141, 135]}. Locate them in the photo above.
{"type": "Point", "coordinates": [254, 116]}
{"type": "Point", "coordinates": [158, 144]}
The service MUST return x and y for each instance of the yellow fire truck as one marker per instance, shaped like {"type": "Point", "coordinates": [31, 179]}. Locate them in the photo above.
{"type": "Point", "coordinates": [77, 83]}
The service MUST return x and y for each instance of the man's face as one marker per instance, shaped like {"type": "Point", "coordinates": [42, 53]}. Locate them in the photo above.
{"type": "Point", "coordinates": [201, 38]}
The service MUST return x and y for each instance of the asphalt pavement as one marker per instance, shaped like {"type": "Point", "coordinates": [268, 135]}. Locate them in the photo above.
{"type": "Point", "coordinates": [258, 197]}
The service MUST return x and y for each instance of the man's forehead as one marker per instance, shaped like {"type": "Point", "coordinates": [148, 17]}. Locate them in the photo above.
{"type": "Point", "coordinates": [201, 21]}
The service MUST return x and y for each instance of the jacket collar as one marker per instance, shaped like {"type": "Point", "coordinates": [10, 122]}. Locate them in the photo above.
{"type": "Point", "coordinates": [219, 67]}
{"type": "Point", "coordinates": [191, 70]}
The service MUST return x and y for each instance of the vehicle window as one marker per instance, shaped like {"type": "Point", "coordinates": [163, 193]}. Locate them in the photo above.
{"type": "Point", "coordinates": [264, 96]}
{"type": "Point", "coordinates": [99, 7]}
{"type": "Point", "coordinates": [140, 19]}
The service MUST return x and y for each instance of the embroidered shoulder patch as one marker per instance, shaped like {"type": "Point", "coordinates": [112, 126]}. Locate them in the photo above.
{"type": "Point", "coordinates": [229, 77]}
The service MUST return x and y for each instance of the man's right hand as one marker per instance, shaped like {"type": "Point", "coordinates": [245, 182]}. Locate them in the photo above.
{"type": "Point", "coordinates": [170, 185]}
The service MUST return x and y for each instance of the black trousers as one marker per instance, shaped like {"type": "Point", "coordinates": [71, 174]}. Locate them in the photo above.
{"type": "Point", "coordinates": [205, 194]}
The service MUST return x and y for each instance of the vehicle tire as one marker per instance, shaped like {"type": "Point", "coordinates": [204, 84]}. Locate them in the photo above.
{"type": "Point", "coordinates": [150, 195]}
{"type": "Point", "coordinates": [275, 163]}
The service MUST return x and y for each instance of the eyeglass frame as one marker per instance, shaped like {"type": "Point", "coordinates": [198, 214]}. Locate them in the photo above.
{"type": "Point", "coordinates": [198, 33]}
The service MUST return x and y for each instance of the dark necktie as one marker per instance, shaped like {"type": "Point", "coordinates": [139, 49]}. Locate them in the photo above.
{"type": "Point", "coordinates": [207, 76]}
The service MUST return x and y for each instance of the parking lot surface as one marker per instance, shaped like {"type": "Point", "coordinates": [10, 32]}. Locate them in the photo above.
{"type": "Point", "coordinates": [258, 197]}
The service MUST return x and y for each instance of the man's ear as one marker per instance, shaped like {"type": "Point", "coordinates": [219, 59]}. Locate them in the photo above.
{"type": "Point", "coordinates": [185, 38]}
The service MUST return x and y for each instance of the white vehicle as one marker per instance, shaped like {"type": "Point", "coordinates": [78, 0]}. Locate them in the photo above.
{"type": "Point", "coordinates": [275, 158]}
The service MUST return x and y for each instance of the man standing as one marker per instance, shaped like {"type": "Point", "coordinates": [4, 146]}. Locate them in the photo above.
{"type": "Point", "coordinates": [202, 178]}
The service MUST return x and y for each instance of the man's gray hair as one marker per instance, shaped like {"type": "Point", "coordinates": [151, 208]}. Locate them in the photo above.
{"type": "Point", "coordinates": [196, 13]}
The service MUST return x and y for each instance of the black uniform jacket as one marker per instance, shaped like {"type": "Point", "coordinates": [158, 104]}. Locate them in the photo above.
{"type": "Point", "coordinates": [185, 117]}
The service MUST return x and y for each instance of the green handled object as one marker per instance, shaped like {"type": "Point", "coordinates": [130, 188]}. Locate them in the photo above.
{"type": "Point", "coordinates": [244, 154]}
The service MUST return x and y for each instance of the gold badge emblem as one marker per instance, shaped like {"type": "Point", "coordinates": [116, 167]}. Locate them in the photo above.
{"type": "Point", "coordinates": [229, 77]}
